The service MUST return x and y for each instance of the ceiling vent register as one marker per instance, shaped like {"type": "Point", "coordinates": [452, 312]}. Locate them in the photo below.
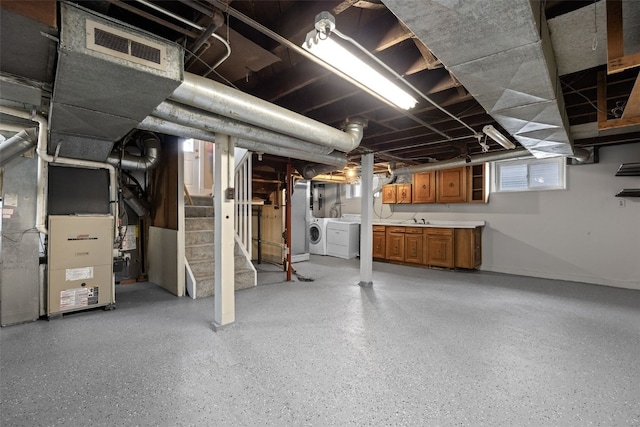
{"type": "Point", "coordinates": [111, 41]}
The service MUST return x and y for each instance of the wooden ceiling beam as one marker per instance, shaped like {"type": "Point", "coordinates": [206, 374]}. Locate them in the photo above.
{"type": "Point", "coordinates": [632, 109]}
{"type": "Point", "coordinates": [625, 120]}
{"type": "Point", "coordinates": [393, 36]}
{"type": "Point", "coordinates": [616, 59]}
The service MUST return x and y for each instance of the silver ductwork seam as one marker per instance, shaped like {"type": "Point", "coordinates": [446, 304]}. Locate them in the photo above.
{"type": "Point", "coordinates": [217, 98]}
{"type": "Point", "coordinates": [209, 122]}
{"type": "Point", "coordinates": [481, 158]}
{"type": "Point", "coordinates": [17, 144]}
{"type": "Point", "coordinates": [580, 154]}
{"type": "Point", "coordinates": [156, 124]}
{"type": "Point", "coordinates": [151, 146]}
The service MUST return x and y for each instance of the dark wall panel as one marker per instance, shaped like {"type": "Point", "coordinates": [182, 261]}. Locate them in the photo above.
{"type": "Point", "coordinates": [78, 191]}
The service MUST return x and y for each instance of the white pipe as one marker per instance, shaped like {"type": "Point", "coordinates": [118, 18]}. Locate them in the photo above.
{"type": "Point", "coordinates": [11, 127]}
{"type": "Point", "coordinates": [178, 113]}
{"type": "Point", "coordinates": [171, 14]}
{"type": "Point", "coordinates": [217, 98]}
{"type": "Point", "coordinates": [197, 27]}
{"type": "Point", "coordinates": [224, 58]}
{"type": "Point", "coordinates": [45, 158]}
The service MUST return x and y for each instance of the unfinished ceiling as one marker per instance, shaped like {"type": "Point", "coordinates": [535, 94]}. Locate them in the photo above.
{"type": "Point", "coordinates": [265, 68]}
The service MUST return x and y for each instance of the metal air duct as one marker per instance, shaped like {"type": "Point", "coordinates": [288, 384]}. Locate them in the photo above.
{"type": "Point", "coordinates": [481, 158]}
{"type": "Point", "coordinates": [151, 146]}
{"type": "Point", "coordinates": [217, 98]}
{"type": "Point", "coordinates": [156, 124]}
{"type": "Point", "coordinates": [503, 56]}
{"type": "Point", "coordinates": [17, 144]}
{"type": "Point", "coordinates": [109, 77]}
{"type": "Point", "coordinates": [199, 119]}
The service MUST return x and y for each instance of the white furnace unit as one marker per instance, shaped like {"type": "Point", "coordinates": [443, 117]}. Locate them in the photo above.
{"type": "Point", "coordinates": [80, 263]}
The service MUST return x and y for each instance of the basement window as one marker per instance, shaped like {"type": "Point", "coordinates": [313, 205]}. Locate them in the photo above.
{"type": "Point", "coordinates": [529, 175]}
{"type": "Point", "coordinates": [353, 191]}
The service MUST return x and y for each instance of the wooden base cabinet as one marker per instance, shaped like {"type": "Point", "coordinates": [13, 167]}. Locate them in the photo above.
{"type": "Point", "coordinates": [438, 247]}
{"type": "Point", "coordinates": [395, 243]}
{"type": "Point", "coordinates": [468, 247]}
{"type": "Point", "coordinates": [413, 245]}
{"type": "Point", "coordinates": [431, 246]}
{"type": "Point", "coordinates": [379, 242]}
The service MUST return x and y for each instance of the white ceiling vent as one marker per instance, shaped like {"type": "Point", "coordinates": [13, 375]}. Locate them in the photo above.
{"type": "Point", "coordinates": [112, 41]}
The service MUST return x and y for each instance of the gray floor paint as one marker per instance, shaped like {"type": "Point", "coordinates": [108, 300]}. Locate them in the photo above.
{"type": "Point", "coordinates": [422, 347]}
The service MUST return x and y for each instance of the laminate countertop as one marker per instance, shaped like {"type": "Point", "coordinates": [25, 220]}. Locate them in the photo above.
{"type": "Point", "coordinates": [430, 224]}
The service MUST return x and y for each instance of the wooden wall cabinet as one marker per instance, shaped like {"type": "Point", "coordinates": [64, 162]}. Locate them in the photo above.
{"type": "Point", "coordinates": [389, 193]}
{"type": "Point", "coordinates": [414, 245]}
{"type": "Point", "coordinates": [395, 243]}
{"type": "Point", "coordinates": [466, 184]}
{"type": "Point", "coordinates": [468, 247]}
{"type": "Point", "coordinates": [439, 247]}
{"type": "Point", "coordinates": [424, 187]}
{"type": "Point", "coordinates": [379, 242]}
{"type": "Point", "coordinates": [403, 193]}
{"type": "Point", "coordinates": [396, 193]}
{"type": "Point", "coordinates": [452, 185]}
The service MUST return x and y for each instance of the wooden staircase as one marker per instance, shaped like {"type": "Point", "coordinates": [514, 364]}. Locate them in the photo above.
{"type": "Point", "coordinates": [199, 250]}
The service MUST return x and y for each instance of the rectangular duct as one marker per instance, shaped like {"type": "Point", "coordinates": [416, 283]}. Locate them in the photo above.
{"type": "Point", "coordinates": [501, 52]}
{"type": "Point", "coordinates": [109, 77]}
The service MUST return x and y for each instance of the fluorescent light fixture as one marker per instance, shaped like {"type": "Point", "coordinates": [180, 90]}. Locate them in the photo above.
{"type": "Point", "coordinates": [494, 134]}
{"type": "Point", "coordinates": [338, 57]}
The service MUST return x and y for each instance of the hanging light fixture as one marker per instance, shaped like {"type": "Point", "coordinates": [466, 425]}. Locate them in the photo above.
{"type": "Point", "coordinates": [494, 134]}
{"type": "Point", "coordinates": [319, 43]}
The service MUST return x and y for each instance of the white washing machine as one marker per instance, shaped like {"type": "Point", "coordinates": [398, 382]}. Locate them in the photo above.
{"type": "Point", "coordinates": [318, 235]}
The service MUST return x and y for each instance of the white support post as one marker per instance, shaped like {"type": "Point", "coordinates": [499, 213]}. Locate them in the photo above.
{"type": "Point", "coordinates": [366, 225]}
{"type": "Point", "coordinates": [224, 233]}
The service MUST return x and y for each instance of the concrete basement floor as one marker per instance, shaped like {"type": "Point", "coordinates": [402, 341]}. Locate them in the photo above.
{"type": "Point", "coordinates": [422, 347]}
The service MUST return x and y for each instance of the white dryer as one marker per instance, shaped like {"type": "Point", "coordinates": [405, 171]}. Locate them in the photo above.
{"type": "Point", "coordinates": [318, 235]}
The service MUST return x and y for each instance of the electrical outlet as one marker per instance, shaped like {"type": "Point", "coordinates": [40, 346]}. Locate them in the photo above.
{"type": "Point", "coordinates": [621, 203]}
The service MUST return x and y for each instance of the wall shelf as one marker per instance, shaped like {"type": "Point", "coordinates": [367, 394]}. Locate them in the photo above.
{"type": "Point", "coordinates": [629, 192]}
{"type": "Point", "coordinates": [629, 169]}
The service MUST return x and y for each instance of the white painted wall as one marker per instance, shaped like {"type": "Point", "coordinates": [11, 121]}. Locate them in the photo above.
{"type": "Point", "coordinates": [578, 234]}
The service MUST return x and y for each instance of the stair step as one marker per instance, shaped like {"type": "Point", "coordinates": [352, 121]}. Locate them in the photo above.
{"type": "Point", "coordinates": [198, 211]}
{"type": "Point", "coordinates": [202, 268]}
{"type": "Point", "coordinates": [197, 224]}
{"type": "Point", "coordinates": [207, 266]}
{"type": "Point", "coordinates": [199, 252]}
{"type": "Point", "coordinates": [201, 201]}
{"type": "Point", "coordinates": [198, 237]}
{"type": "Point", "coordinates": [205, 285]}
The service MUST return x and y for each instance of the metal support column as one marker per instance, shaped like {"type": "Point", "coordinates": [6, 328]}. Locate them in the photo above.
{"type": "Point", "coordinates": [224, 233]}
{"type": "Point", "coordinates": [366, 225]}
{"type": "Point", "coordinates": [288, 191]}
